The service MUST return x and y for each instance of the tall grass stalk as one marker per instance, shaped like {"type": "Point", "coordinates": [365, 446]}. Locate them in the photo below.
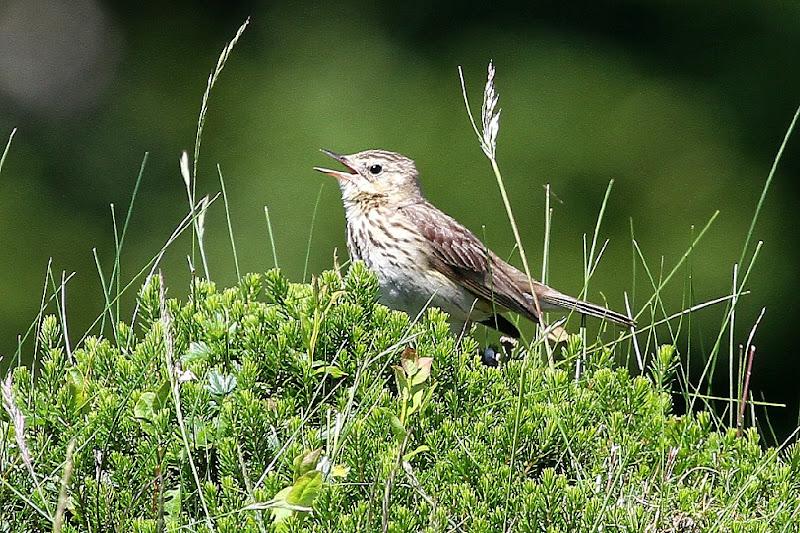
{"type": "Point", "coordinates": [37, 322]}
{"type": "Point", "coordinates": [708, 369]}
{"type": "Point", "coordinates": [487, 137]}
{"type": "Point", "coordinates": [656, 304]}
{"type": "Point", "coordinates": [198, 222]}
{"type": "Point", "coordinates": [750, 350]}
{"type": "Point", "coordinates": [591, 260]}
{"type": "Point", "coordinates": [117, 252]}
{"type": "Point", "coordinates": [201, 119]}
{"type": "Point", "coordinates": [64, 328]}
{"type": "Point", "coordinates": [666, 279]}
{"type": "Point", "coordinates": [731, 352]}
{"type": "Point", "coordinates": [548, 222]}
{"type": "Point", "coordinates": [271, 237]}
{"type": "Point", "coordinates": [488, 141]}
{"type": "Point", "coordinates": [35, 325]}
{"type": "Point", "coordinates": [548, 219]}
{"type": "Point", "coordinates": [228, 218]}
{"type": "Point", "coordinates": [116, 274]}
{"type": "Point", "coordinates": [310, 232]}
{"type": "Point", "coordinates": [767, 184]}
{"type": "Point", "coordinates": [751, 229]}
{"type": "Point", "coordinates": [106, 296]}
{"type": "Point", "coordinates": [151, 266]}
{"type": "Point", "coordinates": [7, 148]}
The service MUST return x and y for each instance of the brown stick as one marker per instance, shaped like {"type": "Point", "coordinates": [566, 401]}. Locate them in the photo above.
{"type": "Point", "coordinates": [743, 400]}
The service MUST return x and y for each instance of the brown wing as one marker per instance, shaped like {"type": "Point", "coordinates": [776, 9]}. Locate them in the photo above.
{"type": "Point", "coordinates": [461, 256]}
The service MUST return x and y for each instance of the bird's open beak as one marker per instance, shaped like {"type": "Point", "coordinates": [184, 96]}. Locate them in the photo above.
{"type": "Point", "coordinates": [338, 174]}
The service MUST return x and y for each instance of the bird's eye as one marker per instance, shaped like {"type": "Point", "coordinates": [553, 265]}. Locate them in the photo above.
{"type": "Point", "coordinates": [375, 169]}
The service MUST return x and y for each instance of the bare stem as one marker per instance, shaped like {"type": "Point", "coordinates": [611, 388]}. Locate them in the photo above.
{"type": "Point", "coordinates": [743, 402]}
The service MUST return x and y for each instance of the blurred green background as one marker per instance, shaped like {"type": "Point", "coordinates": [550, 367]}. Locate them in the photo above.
{"type": "Point", "coordinates": [683, 104]}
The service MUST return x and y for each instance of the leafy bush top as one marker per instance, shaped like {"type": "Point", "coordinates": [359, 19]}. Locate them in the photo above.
{"type": "Point", "coordinates": [292, 418]}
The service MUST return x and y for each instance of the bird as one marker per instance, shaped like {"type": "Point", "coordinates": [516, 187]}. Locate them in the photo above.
{"type": "Point", "coordinates": [423, 257]}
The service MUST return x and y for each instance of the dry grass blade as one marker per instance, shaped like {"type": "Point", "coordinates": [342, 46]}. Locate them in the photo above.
{"type": "Point", "coordinates": [8, 147]}
{"type": "Point", "coordinates": [212, 79]}
{"type": "Point", "coordinates": [191, 184]}
{"type": "Point", "coordinates": [751, 353]}
{"type": "Point", "coordinates": [18, 421]}
{"type": "Point", "coordinates": [490, 115]}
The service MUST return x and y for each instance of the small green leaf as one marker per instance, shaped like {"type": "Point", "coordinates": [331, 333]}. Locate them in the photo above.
{"type": "Point", "coordinates": [409, 367]}
{"type": "Point", "coordinates": [280, 509]}
{"type": "Point", "coordinates": [331, 370]}
{"type": "Point", "coordinates": [306, 462]}
{"type": "Point", "coordinates": [162, 394]}
{"type": "Point", "coordinates": [398, 429]}
{"type": "Point", "coordinates": [416, 451]}
{"type": "Point", "coordinates": [282, 494]}
{"type": "Point", "coordinates": [424, 371]}
{"type": "Point", "coordinates": [306, 489]}
{"type": "Point", "coordinates": [77, 388]}
{"type": "Point", "coordinates": [220, 384]}
{"type": "Point", "coordinates": [198, 351]}
{"type": "Point", "coordinates": [340, 471]}
{"type": "Point", "coordinates": [417, 400]}
{"type": "Point", "coordinates": [172, 502]}
{"type": "Point", "coordinates": [145, 407]}
{"type": "Point", "coordinates": [400, 377]}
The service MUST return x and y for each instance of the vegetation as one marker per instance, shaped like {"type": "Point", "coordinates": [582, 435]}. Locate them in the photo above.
{"type": "Point", "coordinates": [280, 406]}
{"type": "Point", "coordinates": [273, 406]}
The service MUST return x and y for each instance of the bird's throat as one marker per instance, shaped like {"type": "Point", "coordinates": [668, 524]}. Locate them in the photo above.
{"type": "Point", "coordinates": [364, 202]}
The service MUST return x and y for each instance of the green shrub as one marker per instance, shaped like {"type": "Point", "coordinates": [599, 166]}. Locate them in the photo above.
{"type": "Point", "coordinates": [292, 419]}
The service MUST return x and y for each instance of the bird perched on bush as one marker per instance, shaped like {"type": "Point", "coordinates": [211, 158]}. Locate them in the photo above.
{"type": "Point", "coordinates": [423, 257]}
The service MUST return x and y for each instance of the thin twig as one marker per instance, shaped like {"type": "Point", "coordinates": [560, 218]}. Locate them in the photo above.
{"type": "Point", "coordinates": [751, 352]}
{"type": "Point", "coordinates": [63, 493]}
{"type": "Point", "coordinates": [743, 401]}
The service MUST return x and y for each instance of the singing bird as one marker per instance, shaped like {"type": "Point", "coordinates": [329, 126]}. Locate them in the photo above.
{"type": "Point", "coordinates": [423, 257]}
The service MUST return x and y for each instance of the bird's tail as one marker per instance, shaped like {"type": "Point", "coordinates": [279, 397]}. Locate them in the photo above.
{"type": "Point", "coordinates": [555, 298]}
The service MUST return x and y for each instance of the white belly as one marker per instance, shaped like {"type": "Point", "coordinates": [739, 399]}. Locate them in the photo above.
{"type": "Point", "coordinates": [405, 289]}
{"type": "Point", "coordinates": [407, 282]}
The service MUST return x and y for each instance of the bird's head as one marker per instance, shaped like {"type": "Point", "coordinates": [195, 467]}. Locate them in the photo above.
{"type": "Point", "coordinates": [375, 174]}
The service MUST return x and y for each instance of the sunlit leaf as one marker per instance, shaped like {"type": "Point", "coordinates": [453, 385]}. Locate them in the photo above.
{"type": "Point", "coordinates": [306, 462]}
{"type": "Point", "coordinates": [198, 351]}
{"type": "Point", "coordinates": [398, 429]}
{"type": "Point", "coordinates": [416, 451]}
{"type": "Point", "coordinates": [340, 471]}
{"type": "Point", "coordinates": [331, 370]}
{"type": "Point", "coordinates": [306, 489]}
